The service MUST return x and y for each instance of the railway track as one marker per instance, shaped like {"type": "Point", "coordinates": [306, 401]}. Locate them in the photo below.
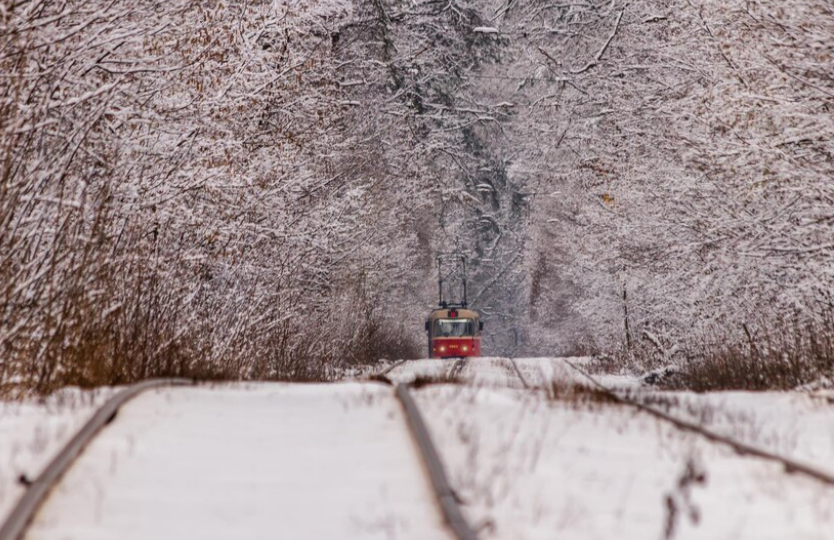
{"type": "Point", "coordinates": [515, 370]}
{"type": "Point", "coordinates": [457, 368]}
{"type": "Point", "coordinates": [446, 497]}
{"type": "Point", "coordinates": [22, 515]}
{"type": "Point", "coordinates": [789, 465]}
{"type": "Point", "coordinates": [38, 489]}
{"type": "Point", "coordinates": [392, 367]}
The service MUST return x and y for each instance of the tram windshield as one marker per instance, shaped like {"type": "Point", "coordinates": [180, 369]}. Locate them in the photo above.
{"type": "Point", "coordinates": [454, 327]}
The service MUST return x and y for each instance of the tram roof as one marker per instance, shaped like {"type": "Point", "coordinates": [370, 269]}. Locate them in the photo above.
{"type": "Point", "coordinates": [443, 313]}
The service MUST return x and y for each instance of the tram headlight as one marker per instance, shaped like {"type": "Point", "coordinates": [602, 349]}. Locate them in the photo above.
{"type": "Point", "coordinates": [464, 348]}
{"type": "Point", "coordinates": [442, 348]}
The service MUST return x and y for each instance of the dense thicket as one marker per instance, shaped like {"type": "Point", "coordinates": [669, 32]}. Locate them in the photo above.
{"type": "Point", "coordinates": [689, 171]}
{"type": "Point", "coordinates": [257, 189]}
{"type": "Point", "coordinates": [184, 191]}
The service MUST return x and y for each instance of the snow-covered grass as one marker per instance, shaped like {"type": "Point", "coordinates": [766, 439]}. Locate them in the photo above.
{"type": "Point", "coordinates": [781, 355]}
{"type": "Point", "coordinates": [530, 467]}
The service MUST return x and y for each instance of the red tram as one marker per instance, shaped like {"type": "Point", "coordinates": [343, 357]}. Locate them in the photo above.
{"type": "Point", "coordinates": [454, 333]}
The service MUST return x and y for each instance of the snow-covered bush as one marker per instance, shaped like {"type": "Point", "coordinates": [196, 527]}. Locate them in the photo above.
{"type": "Point", "coordinates": [180, 192]}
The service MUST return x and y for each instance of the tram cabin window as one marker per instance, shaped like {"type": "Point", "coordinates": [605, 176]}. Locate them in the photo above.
{"type": "Point", "coordinates": [454, 327]}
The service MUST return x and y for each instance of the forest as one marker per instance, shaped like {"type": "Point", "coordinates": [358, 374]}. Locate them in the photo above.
{"type": "Point", "coordinates": [258, 189]}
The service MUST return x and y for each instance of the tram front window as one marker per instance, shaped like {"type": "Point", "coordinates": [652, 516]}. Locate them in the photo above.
{"type": "Point", "coordinates": [454, 327]}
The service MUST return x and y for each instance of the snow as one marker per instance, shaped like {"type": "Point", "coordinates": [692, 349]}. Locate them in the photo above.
{"type": "Point", "coordinates": [32, 431]}
{"type": "Point", "coordinates": [538, 469]}
{"type": "Point", "coordinates": [797, 425]}
{"type": "Point", "coordinates": [498, 371]}
{"type": "Point", "coordinates": [337, 460]}
{"type": "Point", "coordinates": [249, 461]}
{"type": "Point", "coordinates": [792, 424]}
{"type": "Point", "coordinates": [475, 371]}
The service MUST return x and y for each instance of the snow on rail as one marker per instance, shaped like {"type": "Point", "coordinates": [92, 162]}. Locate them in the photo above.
{"type": "Point", "coordinates": [437, 472]}
{"type": "Point", "coordinates": [486, 371]}
{"type": "Point", "coordinates": [21, 515]}
{"type": "Point", "coordinates": [538, 467]}
{"type": "Point", "coordinates": [742, 448]}
{"type": "Point", "coordinates": [249, 461]}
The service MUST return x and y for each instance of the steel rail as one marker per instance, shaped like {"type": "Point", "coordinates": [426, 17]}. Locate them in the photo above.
{"type": "Point", "coordinates": [391, 368]}
{"type": "Point", "coordinates": [24, 511]}
{"type": "Point", "coordinates": [457, 367]}
{"type": "Point", "coordinates": [518, 373]}
{"type": "Point", "coordinates": [790, 465]}
{"type": "Point", "coordinates": [452, 514]}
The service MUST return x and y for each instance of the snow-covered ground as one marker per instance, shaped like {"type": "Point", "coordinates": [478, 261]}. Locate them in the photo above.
{"type": "Point", "coordinates": [32, 431]}
{"type": "Point", "coordinates": [798, 425]}
{"type": "Point", "coordinates": [249, 461]}
{"type": "Point", "coordinates": [543, 371]}
{"type": "Point", "coordinates": [472, 371]}
{"type": "Point", "coordinates": [498, 371]}
{"type": "Point", "coordinates": [532, 468]}
{"type": "Point", "coordinates": [337, 460]}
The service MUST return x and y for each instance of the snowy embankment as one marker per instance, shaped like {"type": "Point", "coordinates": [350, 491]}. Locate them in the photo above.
{"type": "Point", "coordinates": [797, 425]}
{"type": "Point", "coordinates": [475, 372]}
{"type": "Point", "coordinates": [599, 469]}
{"type": "Point", "coordinates": [536, 468]}
{"type": "Point", "coordinates": [33, 431]}
{"type": "Point", "coordinates": [249, 461]}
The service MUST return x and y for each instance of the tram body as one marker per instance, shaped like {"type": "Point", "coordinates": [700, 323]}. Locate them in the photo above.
{"type": "Point", "coordinates": [454, 333]}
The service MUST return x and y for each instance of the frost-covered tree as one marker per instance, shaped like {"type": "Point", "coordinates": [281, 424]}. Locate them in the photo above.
{"type": "Point", "coordinates": [258, 189]}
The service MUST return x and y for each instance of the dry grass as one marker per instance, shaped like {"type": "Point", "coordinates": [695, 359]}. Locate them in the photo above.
{"type": "Point", "coordinates": [782, 357]}
{"type": "Point", "coordinates": [120, 257]}
{"type": "Point", "coordinates": [453, 375]}
{"type": "Point", "coordinates": [578, 394]}
{"type": "Point", "coordinates": [679, 503]}
{"type": "Point", "coordinates": [422, 381]}
{"type": "Point", "coordinates": [375, 338]}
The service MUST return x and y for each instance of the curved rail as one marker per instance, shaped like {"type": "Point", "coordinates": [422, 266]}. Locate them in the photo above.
{"type": "Point", "coordinates": [26, 508]}
{"type": "Point", "coordinates": [391, 368]}
{"type": "Point", "coordinates": [790, 465]}
{"type": "Point", "coordinates": [440, 482]}
{"type": "Point", "coordinates": [518, 373]}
